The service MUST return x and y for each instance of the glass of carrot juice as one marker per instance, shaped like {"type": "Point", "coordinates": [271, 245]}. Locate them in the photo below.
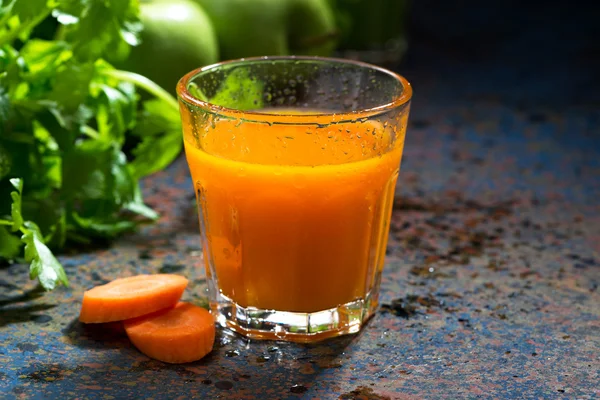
{"type": "Point", "coordinates": [294, 161]}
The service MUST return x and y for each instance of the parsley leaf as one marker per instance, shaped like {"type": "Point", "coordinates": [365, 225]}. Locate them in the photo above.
{"type": "Point", "coordinates": [43, 56]}
{"type": "Point", "coordinates": [21, 17]}
{"type": "Point", "coordinates": [239, 91]}
{"type": "Point", "coordinates": [116, 112]}
{"type": "Point", "coordinates": [103, 28]}
{"type": "Point", "coordinates": [15, 209]}
{"type": "Point", "coordinates": [10, 245]}
{"type": "Point", "coordinates": [44, 266]}
{"type": "Point", "coordinates": [160, 130]}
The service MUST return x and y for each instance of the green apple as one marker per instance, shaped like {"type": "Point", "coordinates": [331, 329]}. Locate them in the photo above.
{"type": "Point", "coordinates": [178, 37]}
{"type": "Point", "coordinates": [248, 28]}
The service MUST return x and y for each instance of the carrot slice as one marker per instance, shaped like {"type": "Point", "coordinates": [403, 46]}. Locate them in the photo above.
{"type": "Point", "coordinates": [181, 334]}
{"type": "Point", "coordinates": [131, 297]}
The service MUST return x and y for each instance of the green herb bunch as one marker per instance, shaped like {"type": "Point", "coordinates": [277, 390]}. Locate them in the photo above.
{"type": "Point", "coordinates": [76, 135]}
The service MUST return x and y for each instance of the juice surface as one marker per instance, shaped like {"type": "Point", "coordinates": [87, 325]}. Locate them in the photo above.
{"type": "Point", "coordinates": [294, 218]}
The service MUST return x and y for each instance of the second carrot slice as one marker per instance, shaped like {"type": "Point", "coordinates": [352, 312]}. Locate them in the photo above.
{"type": "Point", "coordinates": [181, 334]}
{"type": "Point", "coordinates": [131, 297]}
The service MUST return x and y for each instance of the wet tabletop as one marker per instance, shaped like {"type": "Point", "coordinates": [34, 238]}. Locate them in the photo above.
{"type": "Point", "coordinates": [491, 281]}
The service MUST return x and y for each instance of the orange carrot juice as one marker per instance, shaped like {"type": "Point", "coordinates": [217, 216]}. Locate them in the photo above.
{"type": "Point", "coordinates": [296, 217]}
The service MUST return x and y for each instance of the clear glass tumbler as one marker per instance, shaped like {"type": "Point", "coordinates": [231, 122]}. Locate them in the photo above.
{"type": "Point", "coordinates": [294, 162]}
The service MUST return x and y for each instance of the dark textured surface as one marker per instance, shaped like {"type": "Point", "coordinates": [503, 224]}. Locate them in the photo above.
{"type": "Point", "coordinates": [491, 283]}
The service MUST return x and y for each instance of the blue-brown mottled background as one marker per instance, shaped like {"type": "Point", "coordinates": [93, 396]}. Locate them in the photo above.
{"type": "Point", "coordinates": [491, 283]}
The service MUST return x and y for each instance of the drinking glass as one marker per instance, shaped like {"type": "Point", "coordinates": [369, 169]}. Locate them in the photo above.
{"type": "Point", "coordinates": [294, 161]}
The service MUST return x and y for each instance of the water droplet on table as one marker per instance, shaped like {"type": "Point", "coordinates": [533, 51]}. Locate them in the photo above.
{"type": "Point", "coordinates": [223, 385]}
{"type": "Point", "coordinates": [298, 389]}
{"type": "Point", "coordinates": [232, 353]}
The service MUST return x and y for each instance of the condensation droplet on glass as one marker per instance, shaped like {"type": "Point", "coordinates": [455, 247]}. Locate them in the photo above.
{"type": "Point", "coordinates": [279, 331]}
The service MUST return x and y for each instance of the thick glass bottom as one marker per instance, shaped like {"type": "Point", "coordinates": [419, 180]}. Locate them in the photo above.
{"type": "Point", "coordinates": [294, 326]}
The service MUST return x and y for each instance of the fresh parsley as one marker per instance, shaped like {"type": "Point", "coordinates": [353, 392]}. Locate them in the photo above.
{"type": "Point", "coordinates": [76, 134]}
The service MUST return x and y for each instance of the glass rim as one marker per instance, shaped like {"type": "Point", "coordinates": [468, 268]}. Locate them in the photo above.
{"type": "Point", "coordinates": [283, 118]}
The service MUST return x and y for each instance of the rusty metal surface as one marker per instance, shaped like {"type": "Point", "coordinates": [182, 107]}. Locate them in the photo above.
{"type": "Point", "coordinates": [493, 265]}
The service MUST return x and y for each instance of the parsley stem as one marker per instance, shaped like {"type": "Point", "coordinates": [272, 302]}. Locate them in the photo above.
{"type": "Point", "coordinates": [5, 222]}
{"type": "Point", "coordinates": [90, 132]}
{"type": "Point", "coordinates": [78, 238]}
{"type": "Point", "coordinates": [144, 83]}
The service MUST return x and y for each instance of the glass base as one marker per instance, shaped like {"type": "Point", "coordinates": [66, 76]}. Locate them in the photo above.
{"type": "Point", "coordinates": [294, 326]}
